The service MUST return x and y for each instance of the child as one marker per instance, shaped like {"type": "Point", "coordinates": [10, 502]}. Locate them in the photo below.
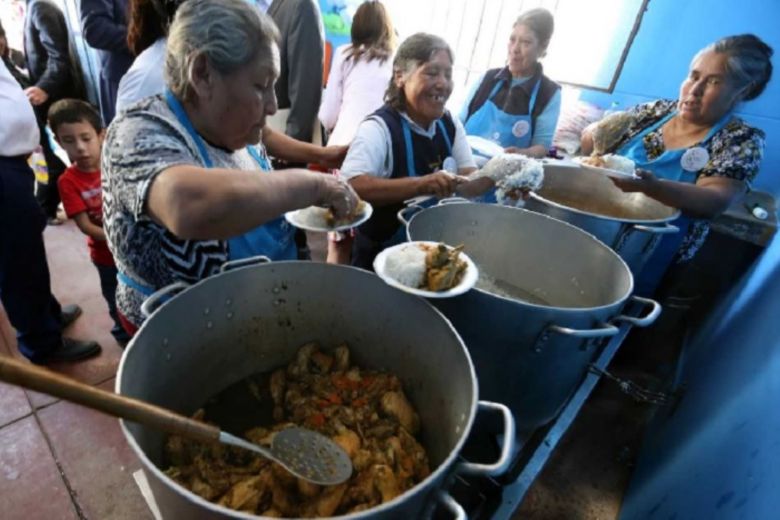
{"type": "Point", "coordinates": [79, 131]}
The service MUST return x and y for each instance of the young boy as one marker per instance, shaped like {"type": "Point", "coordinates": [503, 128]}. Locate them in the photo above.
{"type": "Point", "coordinates": [79, 131]}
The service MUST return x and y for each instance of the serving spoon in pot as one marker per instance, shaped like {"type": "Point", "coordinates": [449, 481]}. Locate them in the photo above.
{"type": "Point", "coordinates": [304, 453]}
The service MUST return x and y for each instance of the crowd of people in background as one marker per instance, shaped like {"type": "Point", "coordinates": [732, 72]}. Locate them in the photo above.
{"type": "Point", "coordinates": [194, 91]}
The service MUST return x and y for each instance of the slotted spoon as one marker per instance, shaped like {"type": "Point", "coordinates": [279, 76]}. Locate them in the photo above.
{"type": "Point", "coordinates": [304, 453]}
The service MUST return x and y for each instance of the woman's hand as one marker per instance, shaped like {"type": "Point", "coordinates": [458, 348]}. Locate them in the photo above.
{"type": "Point", "coordinates": [36, 95]}
{"type": "Point", "coordinates": [333, 156]}
{"type": "Point", "coordinates": [642, 181]}
{"type": "Point", "coordinates": [441, 184]}
{"type": "Point", "coordinates": [338, 195]}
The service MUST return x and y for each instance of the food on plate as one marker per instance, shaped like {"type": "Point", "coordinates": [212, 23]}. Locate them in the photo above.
{"type": "Point", "coordinates": [513, 174]}
{"type": "Point", "coordinates": [332, 221]}
{"type": "Point", "coordinates": [609, 131]}
{"type": "Point", "coordinates": [366, 412]}
{"type": "Point", "coordinates": [611, 162]}
{"type": "Point", "coordinates": [429, 267]}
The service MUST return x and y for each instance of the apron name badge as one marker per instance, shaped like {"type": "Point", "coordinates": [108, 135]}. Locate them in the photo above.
{"type": "Point", "coordinates": [694, 159]}
{"type": "Point", "coordinates": [450, 165]}
{"type": "Point", "coordinates": [521, 128]}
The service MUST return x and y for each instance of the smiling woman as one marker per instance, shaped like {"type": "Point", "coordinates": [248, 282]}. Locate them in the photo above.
{"type": "Point", "coordinates": [411, 146]}
{"type": "Point", "coordinates": [187, 182]}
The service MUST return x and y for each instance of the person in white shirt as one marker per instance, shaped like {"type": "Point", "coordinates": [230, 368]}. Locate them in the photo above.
{"type": "Point", "coordinates": [24, 274]}
{"type": "Point", "coordinates": [358, 77]}
{"type": "Point", "coordinates": [411, 146]}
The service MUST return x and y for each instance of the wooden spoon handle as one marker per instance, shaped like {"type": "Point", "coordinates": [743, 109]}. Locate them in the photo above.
{"type": "Point", "coordinates": [42, 380]}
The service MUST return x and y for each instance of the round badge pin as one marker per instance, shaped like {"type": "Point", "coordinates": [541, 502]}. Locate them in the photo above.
{"type": "Point", "coordinates": [450, 165]}
{"type": "Point", "coordinates": [694, 159]}
{"type": "Point", "coordinates": [520, 128]}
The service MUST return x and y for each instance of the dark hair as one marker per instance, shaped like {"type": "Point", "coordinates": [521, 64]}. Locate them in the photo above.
{"type": "Point", "coordinates": [415, 51]}
{"type": "Point", "coordinates": [372, 33]}
{"type": "Point", "coordinates": [73, 111]}
{"type": "Point", "coordinates": [749, 62]}
{"type": "Point", "coordinates": [148, 22]}
{"type": "Point", "coordinates": [541, 23]}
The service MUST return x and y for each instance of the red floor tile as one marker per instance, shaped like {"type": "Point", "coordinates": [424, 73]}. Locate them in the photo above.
{"type": "Point", "coordinates": [96, 459]}
{"type": "Point", "coordinates": [30, 483]}
{"type": "Point", "coordinates": [13, 404]}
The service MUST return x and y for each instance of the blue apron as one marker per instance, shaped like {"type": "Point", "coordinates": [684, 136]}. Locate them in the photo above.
{"type": "Point", "coordinates": [667, 166]}
{"type": "Point", "coordinates": [503, 128]}
{"type": "Point", "coordinates": [274, 239]}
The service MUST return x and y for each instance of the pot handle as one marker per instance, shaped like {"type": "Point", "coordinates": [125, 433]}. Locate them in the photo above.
{"type": "Point", "coordinates": [404, 214]}
{"type": "Point", "coordinates": [666, 229]}
{"type": "Point", "coordinates": [655, 311]}
{"type": "Point", "coordinates": [157, 298]}
{"type": "Point", "coordinates": [454, 200]}
{"type": "Point", "coordinates": [243, 262]}
{"type": "Point", "coordinates": [507, 450]}
{"type": "Point", "coordinates": [603, 332]}
{"type": "Point", "coordinates": [451, 505]}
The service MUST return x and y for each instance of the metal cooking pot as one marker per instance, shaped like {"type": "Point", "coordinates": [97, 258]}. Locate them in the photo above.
{"type": "Point", "coordinates": [253, 319]}
{"type": "Point", "coordinates": [530, 355]}
{"type": "Point", "coordinates": [630, 223]}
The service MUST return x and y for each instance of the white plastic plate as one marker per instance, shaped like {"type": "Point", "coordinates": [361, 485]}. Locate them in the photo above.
{"type": "Point", "coordinates": [313, 219]}
{"type": "Point", "coordinates": [466, 283]}
{"type": "Point", "coordinates": [604, 171]}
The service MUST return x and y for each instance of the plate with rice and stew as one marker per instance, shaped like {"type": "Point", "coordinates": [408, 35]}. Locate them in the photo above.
{"type": "Point", "coordinates": [611, 165]}
{"type": "Point", "coordinates": [428, 269]}
{"type": "Point", "coordinates": [315, 218]}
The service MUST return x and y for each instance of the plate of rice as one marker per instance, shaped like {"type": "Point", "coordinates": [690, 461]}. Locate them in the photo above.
{"type": "Point", "coordinates": [315, 218]}
{"type": "Point", "coordinates": [428, 269]}
{"type": "Point", "coordinates": [611, 165]}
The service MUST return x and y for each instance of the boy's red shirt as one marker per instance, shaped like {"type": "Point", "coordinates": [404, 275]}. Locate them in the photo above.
{"type": "Point", "coordinates": [80, 191]}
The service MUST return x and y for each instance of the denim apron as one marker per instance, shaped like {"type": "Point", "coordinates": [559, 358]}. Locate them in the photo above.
{"type": "Point", "coordinates": [273, 239]}
{"type": "Point", "coordinates": [681, 165]}
{"type": "Point", "coordinates": [503, 128]}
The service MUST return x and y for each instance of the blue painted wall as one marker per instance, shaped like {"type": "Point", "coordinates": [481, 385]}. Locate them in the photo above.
{"type": "Point", "coordinates": [672, 31]}
{"type": "Point", "coordinates": [717, 456]}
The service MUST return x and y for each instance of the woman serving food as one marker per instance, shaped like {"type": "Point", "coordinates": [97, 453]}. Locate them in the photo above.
{"type": "Point", "coordinates": [694, 153]}
{"type": "Point", "coordinates": [411, 146]}
{"type": "Point", "coordinates": [186, 183]}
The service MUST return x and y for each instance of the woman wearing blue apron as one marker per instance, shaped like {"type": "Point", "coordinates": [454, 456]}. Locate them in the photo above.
{"type": "Point", "coordinates": [182, 191]}
{"type": "Point", "coordinates": [694, 154]}
{"type": "Point", "coordinates": [517, 106]}
{"type": "Point", "coordinates": [410, 147]}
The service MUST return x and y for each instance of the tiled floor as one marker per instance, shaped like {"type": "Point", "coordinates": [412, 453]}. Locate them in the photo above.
{"type": "Point", "coordinates": [62, 461]}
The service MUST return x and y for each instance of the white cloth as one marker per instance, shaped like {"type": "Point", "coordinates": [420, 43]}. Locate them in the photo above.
{"type": "Point", "coordinates": [18, 128]}
{"type": "Point", "coordinates": [144, 78]}
{"type": "Point", "coordinates": [371, 151]}
{"type": "Point", "coordinates": [355, 90]}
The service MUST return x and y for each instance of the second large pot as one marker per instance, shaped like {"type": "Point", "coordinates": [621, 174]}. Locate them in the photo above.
{"type": "Point", "coordinates": [530, 354]}
{"type": "Point", "coordinates": [630, 223]}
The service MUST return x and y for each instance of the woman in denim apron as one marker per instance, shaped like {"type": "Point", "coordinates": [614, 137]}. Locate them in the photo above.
{"type": "Point", "coordinates": [694, 154]}
{"type": "Point", "coordinates": [517, 106]}
{"type": "Point", "coordinates": [182, 191]}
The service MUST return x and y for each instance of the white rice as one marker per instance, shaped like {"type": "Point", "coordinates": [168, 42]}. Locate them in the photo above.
{"type": "Point", "coordinates": [407, 266]}
{"type": "Point", "coordinates": [512, 171]}
{"type": "Point", "coordinates": [619, 163]}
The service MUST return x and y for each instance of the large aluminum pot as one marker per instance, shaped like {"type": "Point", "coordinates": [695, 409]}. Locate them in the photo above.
{"type": "Point", "coordinates": [253, 319]}
{"type": "Point", "coordinates": [530, 355]}
{"type": "Point", "coordinates": [631, 224]}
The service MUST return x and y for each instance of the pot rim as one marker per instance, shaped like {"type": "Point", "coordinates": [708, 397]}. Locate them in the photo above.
{"type": "Point", "coordinates": [421, 487]}
{"type": "Point", "coordinates": [562, 310]}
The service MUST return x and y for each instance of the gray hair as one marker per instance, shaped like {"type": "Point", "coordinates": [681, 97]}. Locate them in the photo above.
{"type": "Point", "coordinates": [749, 64]}
{"type": "Point", "coordinates": [541, 23]}
{"type": "Point", "coordinates": [230, 33]}
{"type": "Point", "coordinates": [415, 51]}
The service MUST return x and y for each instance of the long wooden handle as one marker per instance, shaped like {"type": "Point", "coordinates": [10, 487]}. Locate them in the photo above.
{"type": "Point", "coordinates": [42, 380]}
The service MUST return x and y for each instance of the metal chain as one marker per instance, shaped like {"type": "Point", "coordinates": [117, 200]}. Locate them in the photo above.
{"type": "Point", "coordinates": [634, 390]}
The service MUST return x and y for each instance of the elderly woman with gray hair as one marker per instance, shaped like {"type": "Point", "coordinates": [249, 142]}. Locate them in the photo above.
{"type": "Point", "coordinates": [693, 153]}
{"type": "Point", "coordinates": [411, 146]}
{"type": "Point", "coordinates": [186, 184]}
